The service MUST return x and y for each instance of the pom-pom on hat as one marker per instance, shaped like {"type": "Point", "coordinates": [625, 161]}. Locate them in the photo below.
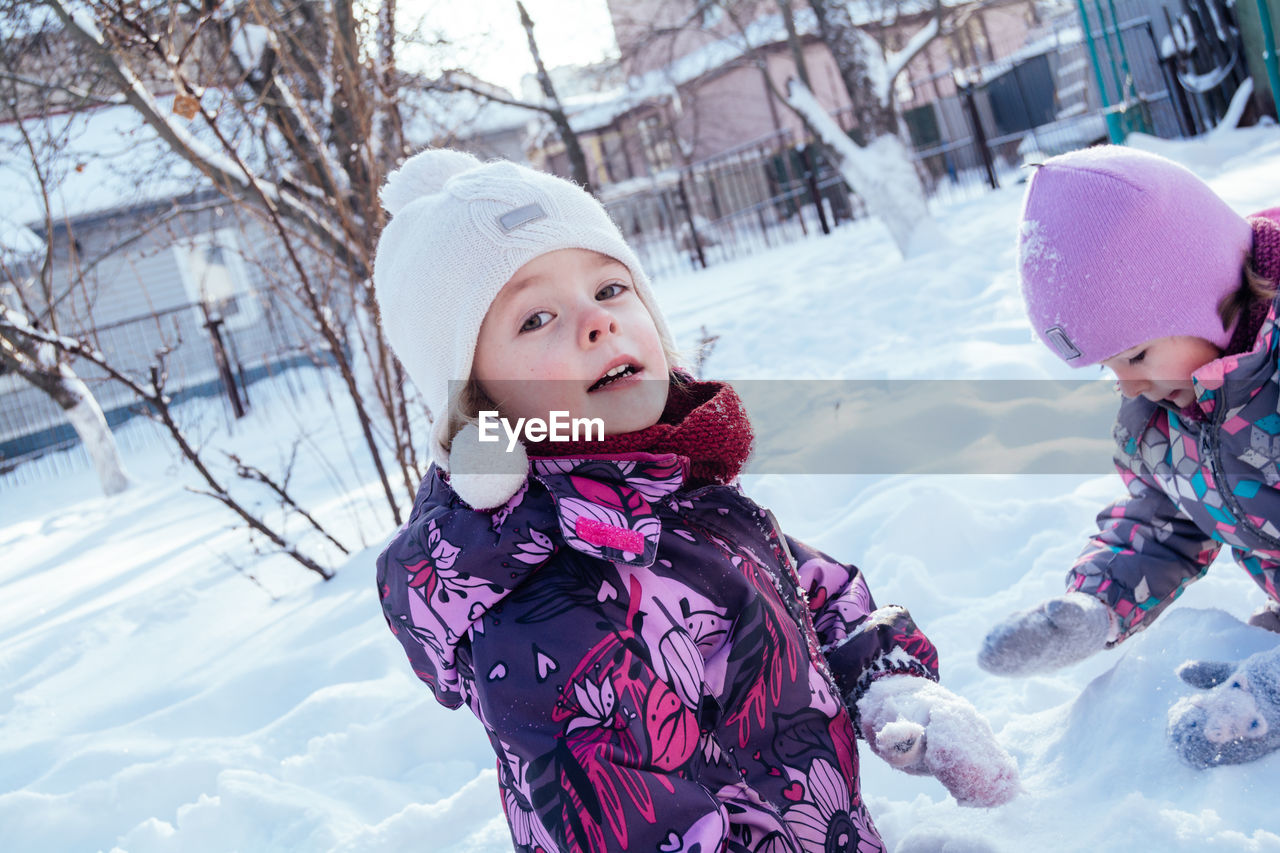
{"type": "Point", "coordinates": [1117, 247]}
{"type": "Point", "coordinates": [459, 230]}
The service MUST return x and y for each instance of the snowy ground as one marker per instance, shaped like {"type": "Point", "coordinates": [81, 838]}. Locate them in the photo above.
{"type": "Point", "coordinates": [166, 689]}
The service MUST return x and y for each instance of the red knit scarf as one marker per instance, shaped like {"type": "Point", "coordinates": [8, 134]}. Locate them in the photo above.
{"type": "Point", "coordinates": [703, 421]}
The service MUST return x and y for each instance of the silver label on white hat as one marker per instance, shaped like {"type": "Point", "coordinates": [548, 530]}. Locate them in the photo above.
{"type": "Point", "coordinates": [512, 220]}
{"type": "Point", "coordinates": [1058, 337]}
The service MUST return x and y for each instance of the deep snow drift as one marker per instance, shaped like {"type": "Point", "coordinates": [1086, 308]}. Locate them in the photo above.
{"type": "Point", "coordinates": [155, 698]}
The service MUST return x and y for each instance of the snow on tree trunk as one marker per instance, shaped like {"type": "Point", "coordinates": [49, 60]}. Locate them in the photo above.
{"type": "Point", "coordinates": [863, 70]}
{"type": "Point", "coordinates": [1239, 102]}
{"type": "Point", "coordinates": [90, 424]}
{"type": "Point", "coordinates": [39, 364]}
{"type": "Point", "coordinates": [882, 173]}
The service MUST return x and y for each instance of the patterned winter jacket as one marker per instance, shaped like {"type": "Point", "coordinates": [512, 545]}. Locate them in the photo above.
{"type": "Point", "coordinates": [657, 667]}
{"type": "Point", "coordinates": [1196, 485]}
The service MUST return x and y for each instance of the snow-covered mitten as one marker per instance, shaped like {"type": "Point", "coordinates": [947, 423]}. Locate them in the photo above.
{"type": "Point", "coordinates": [1056, 633]}
{"type": "Point", "coordinates": [1267, 616]}
{"type": "Point", "coordinates": [921, 727]}
{"type": "Point", "coordinates": [1237, 716]}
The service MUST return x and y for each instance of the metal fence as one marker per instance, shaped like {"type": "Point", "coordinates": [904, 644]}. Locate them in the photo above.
{"type": "Point", "coordinates": [202, 355]}
{"type": "Point", "coordinates": [971, 129]}
{"type": "Point", "coordinates": [771, 191]}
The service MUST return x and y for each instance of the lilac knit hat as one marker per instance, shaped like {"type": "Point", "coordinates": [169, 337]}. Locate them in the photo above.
{"type": "Point", "coordinates": [1117, 247]}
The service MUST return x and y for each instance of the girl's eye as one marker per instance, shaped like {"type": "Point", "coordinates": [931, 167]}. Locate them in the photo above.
{"type": "Point", "coordinates": [534, 321]}
{"type": "Point", "coordinates": [610, 290]}
{"type": "Point", "coordinates": [1134, 359]}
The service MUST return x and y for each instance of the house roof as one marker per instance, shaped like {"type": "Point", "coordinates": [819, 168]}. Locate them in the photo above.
{"type": "Point", "coordinates": [93, 161]}
{"type": "Point", "coordinates": [107, 159]}
{"type": "Point", "coordinates": [594, 112]}
{"type": "Point", "coordinates": [429, 114]}
{"type": "Point", "coordinates": [17, 241]}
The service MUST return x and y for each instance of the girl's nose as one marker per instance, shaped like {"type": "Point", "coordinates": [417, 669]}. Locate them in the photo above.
{"type": "Point", "coordinates": [597, 324]}
{"type": "Point", "coordinates": [1130, 382]}
{"type": "Point", "coordinates": [1132, 386]}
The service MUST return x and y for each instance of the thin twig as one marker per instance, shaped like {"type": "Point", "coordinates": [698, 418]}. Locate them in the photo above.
{"type": "Point", "coordinates": [245, 471]}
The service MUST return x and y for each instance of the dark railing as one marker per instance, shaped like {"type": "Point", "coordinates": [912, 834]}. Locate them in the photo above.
{"type": "Point", "coordinates": [970, 128]}
{"type": "Point", "coordinates": [203, 354]}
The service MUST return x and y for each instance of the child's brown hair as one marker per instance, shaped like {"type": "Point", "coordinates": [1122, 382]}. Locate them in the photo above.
{"type": "Point", "coordinates": [1254, 287]}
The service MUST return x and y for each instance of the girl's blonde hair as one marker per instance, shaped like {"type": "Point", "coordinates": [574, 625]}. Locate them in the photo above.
{"type": "Point", "coordinates": [1254, 287]}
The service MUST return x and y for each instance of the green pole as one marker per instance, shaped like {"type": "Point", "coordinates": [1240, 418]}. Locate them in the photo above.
{"type": "Point", "coordinates": [1129, 85]}
{"type": "Point", "coordinates": [1113, 121]}
{"type": "Point", "coordinates": [1269, 53]}
{"type": "Point", "coordinates": [1111, 51]}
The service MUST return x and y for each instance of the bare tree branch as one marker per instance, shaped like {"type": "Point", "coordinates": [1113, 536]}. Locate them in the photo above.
{"type": "Point", "coordinates": [82, 95]}
{"type": "Point", "coordinates": [153, 395]}
{"type": "Point", "coordinates": [577, 160]}
{"type": "Point", "coordinates": [231, 178]}
{"type": "Point", "coordinates": [250, 472]}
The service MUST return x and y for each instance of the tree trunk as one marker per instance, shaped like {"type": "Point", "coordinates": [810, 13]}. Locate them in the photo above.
{"type": "Point", "coordinates": [882, 173]}
{"type": "Point", "coordinates": [90, 424]}
{"type": "Point", "coordinates": [879, 168]}
{"type": "Point", "coordinates": [793, 41]}
{"type": "Point", "coordinates": [350, 120]}
{"type": "Point", "coordinates": [857, 55]}
{"type": "Point", "coordinates": [77, 403]}
{"type": "Point", "coordinates": [577, 160]}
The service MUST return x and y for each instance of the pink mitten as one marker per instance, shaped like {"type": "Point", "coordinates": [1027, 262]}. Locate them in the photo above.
{"type": "Point", "coordinates": [921, 727]}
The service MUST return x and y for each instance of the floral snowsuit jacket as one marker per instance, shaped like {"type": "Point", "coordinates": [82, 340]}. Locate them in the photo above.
{"type": "Point", "coordinates": [658, 668]}
{"type": "Point", "coordinates": [1195, 486]}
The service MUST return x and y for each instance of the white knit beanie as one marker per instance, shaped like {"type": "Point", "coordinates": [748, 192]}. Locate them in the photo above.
{"type": "Point", "coordinates": [459, 231]}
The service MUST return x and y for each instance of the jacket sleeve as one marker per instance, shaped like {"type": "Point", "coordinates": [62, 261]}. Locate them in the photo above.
{"type": "Point", "coordinates": [1146, 550]}
{"type": "Point", "coordinates": [594, 756]}
{"type": "Point", "coordinates": [861, 641]}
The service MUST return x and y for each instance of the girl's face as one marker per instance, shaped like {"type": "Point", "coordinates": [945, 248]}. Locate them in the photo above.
{"type": "Point", "coordinates": [568, 333]}
{"type": "Point", "coordinates": [1161, 369]}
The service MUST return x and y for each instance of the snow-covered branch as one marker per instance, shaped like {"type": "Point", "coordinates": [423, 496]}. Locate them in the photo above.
{"type": "Point", "coordinates": [223, 170]}
{"type": "Point", "coordinates": [449, 82]}
{"type": "Point", "coordinates": [256, 46]}
{"type": "Point", "coordinates": [899, 60]}
{"type": "Point", "coordinates": [882, 173]}
{"type": "Point", "coordinates": [36, 357]}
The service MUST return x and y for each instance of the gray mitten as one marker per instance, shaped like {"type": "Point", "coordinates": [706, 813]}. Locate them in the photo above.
{"type": "Point", "coordinates": [1267, 616]}
{"type": "Point", "coordinates": [1237, 716]}
{"type": "Point", "coordinates": [1059, 632]}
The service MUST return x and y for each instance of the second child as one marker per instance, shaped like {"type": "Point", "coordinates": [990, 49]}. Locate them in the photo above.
{"type": "Point", "coordinates": [1129, 261]}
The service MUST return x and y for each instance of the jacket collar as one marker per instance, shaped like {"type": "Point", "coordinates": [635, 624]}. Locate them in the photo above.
{"type": "Point", "coordinates": [601, 506]}
{"type": "Point", "coordinates": [604, 504]}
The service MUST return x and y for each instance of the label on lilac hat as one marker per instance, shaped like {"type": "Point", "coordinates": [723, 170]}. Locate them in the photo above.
{"type": "Point", "coordinates": [1061, 342]}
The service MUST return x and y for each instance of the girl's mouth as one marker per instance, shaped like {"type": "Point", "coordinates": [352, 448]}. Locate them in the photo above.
{"type": "Point", "coordinates": [613, 375]}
